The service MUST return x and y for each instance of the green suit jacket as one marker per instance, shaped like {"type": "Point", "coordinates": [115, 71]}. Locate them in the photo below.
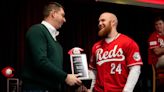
{"type": "Point", "coordinates": [43, 60]}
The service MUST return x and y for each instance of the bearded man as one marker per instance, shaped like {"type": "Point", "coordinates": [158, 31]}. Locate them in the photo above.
{"type": "Point", "coordinates": [116, 58]}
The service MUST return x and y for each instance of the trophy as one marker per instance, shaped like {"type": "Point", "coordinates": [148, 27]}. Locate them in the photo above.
{"type": "Point", "coordinates": [79, 65]}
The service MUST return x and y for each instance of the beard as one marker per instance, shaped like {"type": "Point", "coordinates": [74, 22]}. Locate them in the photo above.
{"type": "Point", "coordinates": [105, 31]}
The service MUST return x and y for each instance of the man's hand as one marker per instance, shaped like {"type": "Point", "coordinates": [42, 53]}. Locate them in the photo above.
{"type": "Point", "coordinates": [82, 88]}
{"type": "Point", "coordinates": [72, 80]}
{"type": "Point", "coordinates": [158, 50]}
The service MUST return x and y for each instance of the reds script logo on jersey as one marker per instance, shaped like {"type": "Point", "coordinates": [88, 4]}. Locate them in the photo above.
{"type": "Point", "coordinates": [161, 42]}
{"type": "Point", "coordinates": [111, 60]}
{"type": "Point", "coordinates": [107, 56]}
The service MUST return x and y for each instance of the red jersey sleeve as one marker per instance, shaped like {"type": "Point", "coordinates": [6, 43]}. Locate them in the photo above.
{"type": "Point", "coordinates": [132, 53]}
{"type": "Point", "coordinates": [153, 43]}
{"type": "Point", "coordinates": [153, 40]}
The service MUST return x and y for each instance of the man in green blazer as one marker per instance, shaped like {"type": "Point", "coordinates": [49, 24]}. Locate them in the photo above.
{"type": "Point", "coordinates": [42, 70]}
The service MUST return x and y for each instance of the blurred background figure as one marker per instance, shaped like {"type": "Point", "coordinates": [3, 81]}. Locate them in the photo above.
{"type": "Point", "coordinates": [156, 51]}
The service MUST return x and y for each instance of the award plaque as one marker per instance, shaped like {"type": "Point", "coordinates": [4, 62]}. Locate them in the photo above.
{"type": "Point", "coordinates": [79, 66]}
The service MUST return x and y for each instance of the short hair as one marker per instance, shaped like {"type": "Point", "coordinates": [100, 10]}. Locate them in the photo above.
{"type": "Point", "coordinates": [51, 6]}
{"type": "Point", "coordinates": [159, 18]}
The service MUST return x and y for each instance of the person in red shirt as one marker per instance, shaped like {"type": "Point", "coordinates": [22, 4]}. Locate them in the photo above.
{"type": "Point", "coordinates": [156, 50]}
{"type": "Point", "coordinates": [116, 58]}
{"type": "Point", "coordinates": [156, 43]}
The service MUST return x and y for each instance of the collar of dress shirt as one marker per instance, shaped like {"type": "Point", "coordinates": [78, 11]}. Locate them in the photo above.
{"type": "Point", "coordinates": [51, 29]}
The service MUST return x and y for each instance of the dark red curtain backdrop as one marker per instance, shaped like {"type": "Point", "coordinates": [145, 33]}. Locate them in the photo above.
{"type": "Point", "coordinates": [80, 30]}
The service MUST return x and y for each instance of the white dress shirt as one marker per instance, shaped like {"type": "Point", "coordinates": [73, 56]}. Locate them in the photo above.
{"type": "Point", "coordinates": [51, 29]}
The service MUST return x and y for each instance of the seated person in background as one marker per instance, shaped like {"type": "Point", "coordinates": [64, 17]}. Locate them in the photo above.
{"type": "Point", "coordinates": [156, 44]}
{"type": "Point", "coordinates": [156, 50]}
